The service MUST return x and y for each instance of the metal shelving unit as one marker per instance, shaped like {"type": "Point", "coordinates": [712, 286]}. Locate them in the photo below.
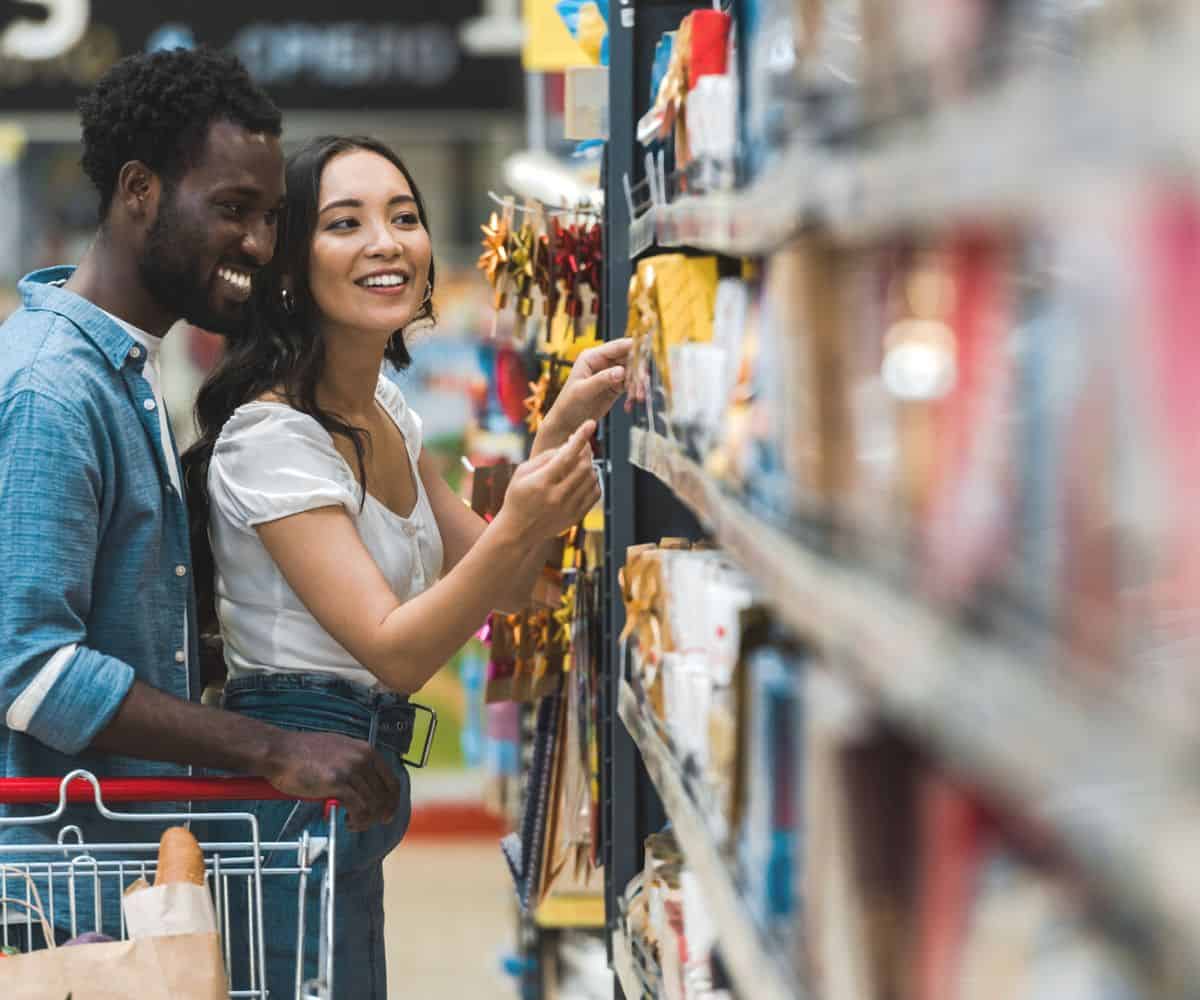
{"type": "Point", "coordinates": [1120, 794]}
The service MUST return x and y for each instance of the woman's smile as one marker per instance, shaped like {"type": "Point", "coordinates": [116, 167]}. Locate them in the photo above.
{"type": "Point", "coordinates": [388, 281]}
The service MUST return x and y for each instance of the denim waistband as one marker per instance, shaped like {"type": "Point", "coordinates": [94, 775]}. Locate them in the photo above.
{"type": "Point", "coordinates": [318, 704]}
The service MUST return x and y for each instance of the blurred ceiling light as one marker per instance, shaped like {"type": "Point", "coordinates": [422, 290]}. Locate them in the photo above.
{"type": "Point", "coordinates": [538, 175]}
{"type": "Point", "coordinates": [62, 24]}
{"type": "Point", "coordinates": [499, 31]}
{"type": "Point", "coordinates": [919, 363]}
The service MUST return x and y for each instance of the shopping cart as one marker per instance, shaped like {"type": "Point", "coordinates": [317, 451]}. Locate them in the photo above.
{"type": "Point", "coordinates": [236, 866]}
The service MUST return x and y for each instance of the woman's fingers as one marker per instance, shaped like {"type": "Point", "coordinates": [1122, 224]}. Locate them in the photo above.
{"type": "Point", "coordinates": [602, 356]}
{"type": "Point", "coordinates": [584, 495]}
{"type": "Point", "coordinates": [578, 445]}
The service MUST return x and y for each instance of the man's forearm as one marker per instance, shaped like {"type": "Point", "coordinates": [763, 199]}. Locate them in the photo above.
{"type": "Point", "coordinates": [153, 725]}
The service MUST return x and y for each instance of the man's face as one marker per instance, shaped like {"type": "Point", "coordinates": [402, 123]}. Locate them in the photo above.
{"type": "Point", "coordinates": [215, 228]}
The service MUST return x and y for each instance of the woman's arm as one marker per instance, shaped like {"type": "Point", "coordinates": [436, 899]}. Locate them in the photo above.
{"type": "Point", "coordinates": [326, 563]}
{"type": "Point", "coordinates": [460, 528]}
{"type": "Point", "coordinates": [595, 383]}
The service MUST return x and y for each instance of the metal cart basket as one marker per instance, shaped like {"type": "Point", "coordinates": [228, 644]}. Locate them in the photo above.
{"type": "Point", "coordinates": [72, 875]}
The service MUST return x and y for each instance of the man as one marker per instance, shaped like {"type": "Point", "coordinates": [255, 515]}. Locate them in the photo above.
{"type": "Point", "coordinates": [98, 650]}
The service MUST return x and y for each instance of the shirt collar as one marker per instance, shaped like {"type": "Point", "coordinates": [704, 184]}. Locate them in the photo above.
{"type": "Point", "coordinates": [41, 290]}
{"type": "Point", "coordinates": [147, 340]}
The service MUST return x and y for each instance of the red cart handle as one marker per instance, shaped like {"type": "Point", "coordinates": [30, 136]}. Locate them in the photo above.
{"type": "Point", "coordinates": [26, 791]}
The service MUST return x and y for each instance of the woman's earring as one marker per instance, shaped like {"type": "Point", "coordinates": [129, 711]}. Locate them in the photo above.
{"type": "Point", "coordinates": [286, 300]}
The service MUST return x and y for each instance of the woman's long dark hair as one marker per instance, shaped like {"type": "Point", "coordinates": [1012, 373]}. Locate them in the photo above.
{"type": "Point", "coordinates": [282, 350]}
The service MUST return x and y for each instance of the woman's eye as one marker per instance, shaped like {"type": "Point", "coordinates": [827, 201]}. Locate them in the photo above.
{"type": "Point", "coordinates": [342, 224]}
{"type": "Point", "coordinates": [407, 219]}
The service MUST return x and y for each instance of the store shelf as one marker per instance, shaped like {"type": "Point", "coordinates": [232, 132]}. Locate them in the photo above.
{"type": "Point", "coordinates": [1023, 144]}
{"type": "Point", "coordinates": [749, 957]}
{"type": "Point", "coordinates": [570, 912]}
{"type": "Point", "coordinates": [623, 966]}
{"type": "Point", "coordinates": [1120, 794]}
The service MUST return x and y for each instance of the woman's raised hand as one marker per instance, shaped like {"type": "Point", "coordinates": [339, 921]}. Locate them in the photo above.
{"type": "Point", "coordinates": [596, 381]}
{"type": "Point", "coordinates": [552, 492]}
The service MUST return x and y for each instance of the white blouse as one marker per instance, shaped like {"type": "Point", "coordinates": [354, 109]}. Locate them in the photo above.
{"type": "Point", "coordinates": [271, 461]}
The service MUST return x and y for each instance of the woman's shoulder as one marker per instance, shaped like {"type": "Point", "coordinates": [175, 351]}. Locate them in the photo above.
{"type": "Point", "coordinates": [269, 416]}
{"type": "Point", "coordinates": [272, 460]}
{"type": "Point", "coordinates": [268, 435]}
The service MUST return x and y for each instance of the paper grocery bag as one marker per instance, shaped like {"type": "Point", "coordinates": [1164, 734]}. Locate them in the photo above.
{"type": "Point", "coordinates": [172, 909]}
{"type": "Point", "coordinates": [178, 967]}
{"type": "Point", "coordinates": [168, 965]}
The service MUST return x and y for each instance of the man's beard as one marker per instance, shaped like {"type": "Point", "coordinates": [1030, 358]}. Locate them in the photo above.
{"type": "Point", "coordinates": [169, 268]}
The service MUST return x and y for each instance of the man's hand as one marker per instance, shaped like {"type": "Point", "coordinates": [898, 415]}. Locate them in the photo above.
{"type": "Point", "coordinates": [328, 766]}
{"type": "Point", "coordinates": [153, 725]}
{"type": "Point", "coordinates": [596, 382]}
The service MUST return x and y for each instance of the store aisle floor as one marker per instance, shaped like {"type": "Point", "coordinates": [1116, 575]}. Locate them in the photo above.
{"type": "Point", "coordinates": [450, 919]}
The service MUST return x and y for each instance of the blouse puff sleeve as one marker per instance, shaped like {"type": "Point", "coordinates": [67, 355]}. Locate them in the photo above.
{"type": "Point", "coordinates": [271, 461]}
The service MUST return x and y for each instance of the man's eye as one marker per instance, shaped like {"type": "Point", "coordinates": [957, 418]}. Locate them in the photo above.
{"type": "Point", "coordinates": [231, 209]}
{"type": "Point", "coordinates": [271, 217]}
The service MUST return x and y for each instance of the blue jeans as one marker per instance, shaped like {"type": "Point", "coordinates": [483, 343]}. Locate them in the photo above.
{"type": "Point", "coordinates": [312, 703]}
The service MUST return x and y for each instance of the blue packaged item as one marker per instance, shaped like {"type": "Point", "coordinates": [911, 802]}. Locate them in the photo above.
{"type": "Point", "coordinates": [769, 848]}
{"type": "Point", "coordinates": [662, 59]}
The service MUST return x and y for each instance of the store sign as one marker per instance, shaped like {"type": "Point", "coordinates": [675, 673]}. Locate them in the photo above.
{"type": "Point", "coordinates": [43, 29]}
{"type": "Point", "coordinates": [355, 54]}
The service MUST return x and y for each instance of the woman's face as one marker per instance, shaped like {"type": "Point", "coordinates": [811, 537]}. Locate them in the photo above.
{"type": "Point", "coordinates": [370, 252]}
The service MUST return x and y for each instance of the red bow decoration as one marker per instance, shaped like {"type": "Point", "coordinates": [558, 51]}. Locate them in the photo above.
{"type": "Point", "coordinates": [543, 273]}
{"type": "Point", "coordinates": [591, 253]}
{"type": "Point", "coordinates": [565, 261]}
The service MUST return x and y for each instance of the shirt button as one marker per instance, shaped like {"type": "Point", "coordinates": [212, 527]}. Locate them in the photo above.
{"type": "Point", "coordinates": [149, 404]}
{"type": "Point", "coordinates": [135, 353]}
{"type": "Point", "coordinates": [181, 570]}
{"type": "Point", "coordinates": [180, 656]}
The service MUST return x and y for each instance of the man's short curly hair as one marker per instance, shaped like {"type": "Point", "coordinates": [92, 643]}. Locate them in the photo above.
{"type": "Point", "coordinates": [158, 107]}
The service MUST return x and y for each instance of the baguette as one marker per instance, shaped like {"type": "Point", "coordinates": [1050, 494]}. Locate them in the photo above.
{"type": "Point", "coordinates": [179, 858]}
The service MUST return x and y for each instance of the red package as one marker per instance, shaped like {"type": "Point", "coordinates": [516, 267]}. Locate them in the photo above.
{"type": "Point", "coordinates": [710, 45]}
{"type": "Point", "coordinates": [955, 839]}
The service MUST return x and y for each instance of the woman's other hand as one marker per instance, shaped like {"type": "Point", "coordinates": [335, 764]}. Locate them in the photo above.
{"type": "Point", "coordinates": [552, 492]}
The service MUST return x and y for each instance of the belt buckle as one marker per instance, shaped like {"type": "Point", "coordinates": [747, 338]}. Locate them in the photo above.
{"type": "Point", "coordinates": [428, 734]}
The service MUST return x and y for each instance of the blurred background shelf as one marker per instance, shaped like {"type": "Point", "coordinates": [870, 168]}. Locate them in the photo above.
{"type": "Point", "coordinates": [1118, 793]}
{"type": "Point", "coordinates": [570, 913]}
{"type": "Point", "coordinates": [750, 957]}
{"type": "Point", "coordinates": [1015, 146]}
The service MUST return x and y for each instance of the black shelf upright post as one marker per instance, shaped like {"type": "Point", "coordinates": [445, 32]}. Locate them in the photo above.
{"type": "Point", "coordinates": [637, 509]}
{"type": "Point", "coordinates": [620, 767]}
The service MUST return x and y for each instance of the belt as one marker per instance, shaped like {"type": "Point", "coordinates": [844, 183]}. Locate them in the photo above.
{"type": "Point", "coordinates": [311, 703]}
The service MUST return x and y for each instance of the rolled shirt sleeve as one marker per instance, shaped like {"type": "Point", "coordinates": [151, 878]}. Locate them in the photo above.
{"type": "Point", "coordinates": [52, 685]}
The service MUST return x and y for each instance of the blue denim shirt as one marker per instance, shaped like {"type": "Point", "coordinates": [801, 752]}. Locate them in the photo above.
{"type": "Point", "coordinates": [93, 548]}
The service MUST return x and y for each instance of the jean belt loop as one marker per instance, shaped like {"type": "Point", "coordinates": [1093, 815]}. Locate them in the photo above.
{"type": "Point", "coordinates": [373, 734]}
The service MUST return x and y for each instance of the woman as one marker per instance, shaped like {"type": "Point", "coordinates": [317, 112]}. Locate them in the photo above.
{"type": "Point", "coordinates": [343, 570]}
